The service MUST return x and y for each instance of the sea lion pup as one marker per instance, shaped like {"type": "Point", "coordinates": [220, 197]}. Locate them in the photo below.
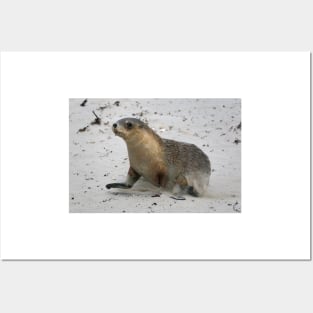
{"type": "Point", "coordinates": [176, 166]}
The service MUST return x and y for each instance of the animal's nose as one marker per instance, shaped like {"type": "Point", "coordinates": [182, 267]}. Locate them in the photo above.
{"type": "Point", "coordinates": [114, 125]}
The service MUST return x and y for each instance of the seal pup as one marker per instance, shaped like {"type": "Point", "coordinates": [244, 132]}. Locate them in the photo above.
{"type": "Point", "coordinates": [176, 166]}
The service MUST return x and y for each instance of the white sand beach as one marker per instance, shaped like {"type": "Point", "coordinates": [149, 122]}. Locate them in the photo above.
{"type": "Point", "coordinates": [98, 157]}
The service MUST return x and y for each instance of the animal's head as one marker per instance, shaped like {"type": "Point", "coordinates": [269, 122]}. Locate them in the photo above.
{"type": "Point", "coordinates": [130, 129]}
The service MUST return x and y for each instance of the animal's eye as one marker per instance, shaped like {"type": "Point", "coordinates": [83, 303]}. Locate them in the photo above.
{"type": "Point", "coordinates": [129, 125]}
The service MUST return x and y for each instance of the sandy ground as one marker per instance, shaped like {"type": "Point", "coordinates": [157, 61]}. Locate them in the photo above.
{"type": "Point", "coordinates": [97, 157]}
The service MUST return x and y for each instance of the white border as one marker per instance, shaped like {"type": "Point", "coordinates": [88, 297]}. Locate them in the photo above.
{"type": "Point", "coordinates": [275, 93]}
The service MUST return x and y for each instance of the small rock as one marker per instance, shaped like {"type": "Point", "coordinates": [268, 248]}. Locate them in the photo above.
{"type": "Point", "coordinates": [82, 129]}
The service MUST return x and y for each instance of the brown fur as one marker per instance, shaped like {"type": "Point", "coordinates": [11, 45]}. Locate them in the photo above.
{"type": "Point", "coordinates": [165, 163]}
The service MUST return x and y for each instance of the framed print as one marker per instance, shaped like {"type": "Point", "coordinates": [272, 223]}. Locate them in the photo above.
{"type": "Point", "coordinates": [89, 133]}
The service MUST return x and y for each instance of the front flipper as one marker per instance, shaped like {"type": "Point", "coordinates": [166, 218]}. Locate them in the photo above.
{"type": "Point", "coordinates": [132, 177]}
{"type": "Point", "coordinates": [118, 185]}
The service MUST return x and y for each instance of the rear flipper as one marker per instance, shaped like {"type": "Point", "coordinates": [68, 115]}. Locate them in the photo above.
{"type": "Point", "coordinates": [182, 187]}
{"type": "Point", "coordinates": [178, 197]}
{"type": "Point", "coordinates": [178, 192]}
{"type": "Point", "coordinates": [192, 191]}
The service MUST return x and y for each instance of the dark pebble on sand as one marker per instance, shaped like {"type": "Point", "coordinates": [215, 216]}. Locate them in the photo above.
{"type": "Point", "coordinates": [82, 129]}
{"type": "Point", "coordinates": [117, 103]}
{"type": "Point", "coordinates": [96, 121]}
{"type": "Point", "coordinates": [83, 103]}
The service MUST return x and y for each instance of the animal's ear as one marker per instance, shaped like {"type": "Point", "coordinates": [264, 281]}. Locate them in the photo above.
{"type": "Point", "coordinates": [140, 124]}
{"type": "Point", "coordinates": [145, 121]}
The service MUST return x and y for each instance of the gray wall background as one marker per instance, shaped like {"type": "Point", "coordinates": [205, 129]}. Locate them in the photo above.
{"type": "Point", "coordinates": [68, 286]}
